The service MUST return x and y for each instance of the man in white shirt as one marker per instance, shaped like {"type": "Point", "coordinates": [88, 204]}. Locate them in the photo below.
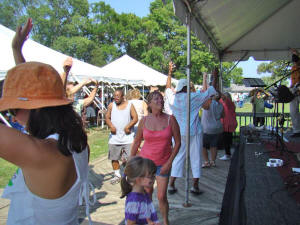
{"type": "Point", "coordinates": [121, 116]}
{"type": "Point", "coordinates": [178, 105]}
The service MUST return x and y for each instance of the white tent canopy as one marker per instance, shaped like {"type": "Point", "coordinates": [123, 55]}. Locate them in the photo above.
{"type": "Point", "coordinates": [134, 70]}
{"type": "Point", "coordinates": [34, 51]}
{"type": "Point", "coordinates": [235, 29]}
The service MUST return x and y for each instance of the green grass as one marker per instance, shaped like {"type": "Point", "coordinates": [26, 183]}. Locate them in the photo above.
{"type": "Point", "coordinates": [98, 142]}
{"type": "Point", "coordinates": [6, 171]}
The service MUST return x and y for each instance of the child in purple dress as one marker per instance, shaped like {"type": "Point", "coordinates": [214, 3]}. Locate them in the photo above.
{"type": "Point", "coordinates": [139, 174]}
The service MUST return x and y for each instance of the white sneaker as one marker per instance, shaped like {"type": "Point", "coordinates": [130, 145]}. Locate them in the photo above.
{"type": "Point", "coordinates": [225, 157]}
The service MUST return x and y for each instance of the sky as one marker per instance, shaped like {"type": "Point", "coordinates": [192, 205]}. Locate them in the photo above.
{"type": "Point", "coordinates": [141, 9]}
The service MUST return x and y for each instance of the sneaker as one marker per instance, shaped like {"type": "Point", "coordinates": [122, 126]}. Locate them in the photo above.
{"type": "Point", "coordinates": [225, 157]}
{"type": "Point", "coordinates": [115, 180]}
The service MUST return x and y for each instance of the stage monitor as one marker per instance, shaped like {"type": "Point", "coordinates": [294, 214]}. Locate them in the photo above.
{"type": "Point", "coordinates": [253, 82]}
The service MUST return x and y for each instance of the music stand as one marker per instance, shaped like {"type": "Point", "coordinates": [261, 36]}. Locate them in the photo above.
{"type": "Point", "coordinates": [253, 82]}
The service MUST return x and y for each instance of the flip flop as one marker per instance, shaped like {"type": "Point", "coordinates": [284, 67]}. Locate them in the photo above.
{"type": "Point", "coordinates": [196, 191]}
{"type": "Point", "coordinates": [172, 190]}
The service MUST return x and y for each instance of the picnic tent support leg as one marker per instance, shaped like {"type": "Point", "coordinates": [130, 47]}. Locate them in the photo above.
{"type": "Point", "coordinates": [187, 163]}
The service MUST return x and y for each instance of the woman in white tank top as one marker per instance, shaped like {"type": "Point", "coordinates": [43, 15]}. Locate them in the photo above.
{"type": "Point", "coordinates": [139, 105]}
{"type": "Point", "coordinates": [52, 158]}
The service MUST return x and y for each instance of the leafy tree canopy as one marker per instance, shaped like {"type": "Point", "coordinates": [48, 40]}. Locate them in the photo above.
{"type": "Point", "coordinates": [278, 69]}
{"type": "Point", "coordinates": [96, 34]}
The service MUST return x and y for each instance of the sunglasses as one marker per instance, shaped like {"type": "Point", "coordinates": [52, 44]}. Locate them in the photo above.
{"type": "Point", "coordinates": [13, 112]}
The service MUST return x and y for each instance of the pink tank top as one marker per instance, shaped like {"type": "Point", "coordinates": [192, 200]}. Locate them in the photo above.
{"type": "Point", "coordinates": [157, 145]}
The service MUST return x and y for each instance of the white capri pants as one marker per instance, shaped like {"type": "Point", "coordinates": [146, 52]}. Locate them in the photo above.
{"type": "Point", "coordinates": [195, 157]}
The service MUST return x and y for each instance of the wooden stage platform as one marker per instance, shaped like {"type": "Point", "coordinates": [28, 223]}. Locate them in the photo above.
{"type": "Point", "coordinates": [109, 209]}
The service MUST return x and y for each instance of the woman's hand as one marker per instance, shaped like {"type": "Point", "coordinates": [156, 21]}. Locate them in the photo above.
{"type": "Point", "coordinates": [21, 35]}
{"type": "Point", "coordinates": [165, 169]}
{"type": "Point", "coordinates": [68, 64]}
{"type": "Point", "coordinates": [171, 67]}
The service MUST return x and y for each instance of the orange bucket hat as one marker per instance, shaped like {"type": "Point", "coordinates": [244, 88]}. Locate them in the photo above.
{"type": "Point", "coordinates": [32, 85]}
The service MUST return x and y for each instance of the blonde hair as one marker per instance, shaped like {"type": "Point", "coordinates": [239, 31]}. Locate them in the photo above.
{"type": "Point", "coordinates": [135, 94]}
{"type": "Point", "coordinates": [128, 95]}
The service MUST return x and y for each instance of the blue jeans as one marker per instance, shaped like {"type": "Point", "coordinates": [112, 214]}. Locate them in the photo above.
{"type": "Point", "coordinates": [158, 168]}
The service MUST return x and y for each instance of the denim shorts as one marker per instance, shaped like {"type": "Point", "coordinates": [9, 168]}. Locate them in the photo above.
{"type": "Point", "coordinates": [158, 168]}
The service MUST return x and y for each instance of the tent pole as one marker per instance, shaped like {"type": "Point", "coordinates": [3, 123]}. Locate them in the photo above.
{"type": "Point", "coordinates": [187, 159]}
{"type": "Point", "coordinates": [221, 76]}
{"type": "Point", "coordinates": [102, 105]}
{"type": "Point", "coordinates": [143, 91]}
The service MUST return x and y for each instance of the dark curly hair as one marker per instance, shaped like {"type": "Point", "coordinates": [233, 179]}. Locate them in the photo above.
{"type": "Point", "coordinates": [62, 120]}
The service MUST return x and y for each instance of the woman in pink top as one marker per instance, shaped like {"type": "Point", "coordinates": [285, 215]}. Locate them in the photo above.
{"type": "Point", "coordinates": [157, 130]}
{"type": "Point", "coordinates": [229, 123]}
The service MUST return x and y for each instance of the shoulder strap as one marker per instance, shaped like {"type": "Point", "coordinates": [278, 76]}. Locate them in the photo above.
{"type": "Point", "coordinates": [53, 136]}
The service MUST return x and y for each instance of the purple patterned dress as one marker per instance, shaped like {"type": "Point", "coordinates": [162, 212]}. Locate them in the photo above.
{"type": "Point", "coordinates": [139, 207]}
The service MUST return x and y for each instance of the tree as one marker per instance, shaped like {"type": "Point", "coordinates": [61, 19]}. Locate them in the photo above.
{"type": "Point", "coordinates": [96, 34]}
{"type": "Point", "coordinates": [231, 76]}
{"type": "Point", "coordinates": [278, 69]}
{"type": "Point", "coordinates": [11, 11]}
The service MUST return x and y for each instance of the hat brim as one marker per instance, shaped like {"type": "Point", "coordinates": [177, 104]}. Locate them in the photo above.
{"type": "Point", "coordinates": [23, 103]}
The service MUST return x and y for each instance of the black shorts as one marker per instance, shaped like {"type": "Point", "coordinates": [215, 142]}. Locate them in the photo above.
{"type": "Point", "coordinates": [211, 140]}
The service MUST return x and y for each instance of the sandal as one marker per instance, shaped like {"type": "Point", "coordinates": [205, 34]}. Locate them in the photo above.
{"type": "Point", "coordinates": [213, 163]}
{"type": "Point", "coordinates": [172, 190]}
{"type": "Point", "coordinates": [206, 164]}
{"type": "Point", "coordinates": [196, 191]}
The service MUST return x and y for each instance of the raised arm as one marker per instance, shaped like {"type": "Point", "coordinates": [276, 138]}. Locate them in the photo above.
{"type": "Point", "coordinates": [169, 79]}
{"type": "Point", "coordinates": [67, 67]}
{"type": "Point", "coordinates": [77, 87]}
{"type": "Point", "coordinates": [20, 37]}
{"type": "Point", "coordinates": [215, 82]}
{"type": "Point", "coordinates": [87, 101]}
{"type": "Point", "coordinates": [112, 128]}
{"type": "Point", "coordinates": [21, 149]}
